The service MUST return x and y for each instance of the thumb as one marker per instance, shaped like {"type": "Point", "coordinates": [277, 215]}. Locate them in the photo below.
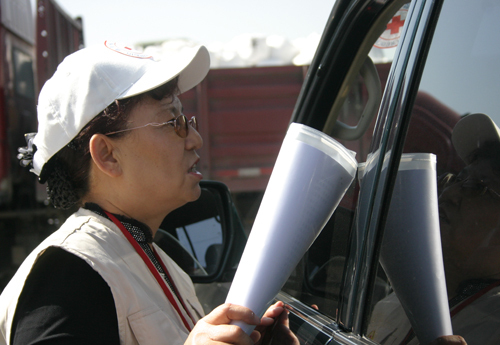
{"type": "Point", "coordinates": [228, 312]}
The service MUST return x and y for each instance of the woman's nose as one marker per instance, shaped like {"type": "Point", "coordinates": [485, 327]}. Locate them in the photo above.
{"type": "Point", "coordinates": [194, 141]}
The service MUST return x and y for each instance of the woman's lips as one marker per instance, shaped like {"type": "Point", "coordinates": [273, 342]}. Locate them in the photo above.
{"type": "Point", "coordinates": [193, 171]}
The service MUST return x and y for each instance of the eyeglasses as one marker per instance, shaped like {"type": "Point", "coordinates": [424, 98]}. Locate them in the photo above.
{"type": "Point", "coordinates": [181, 126]}
{"type": "Point", "coordinates": [470, 187]}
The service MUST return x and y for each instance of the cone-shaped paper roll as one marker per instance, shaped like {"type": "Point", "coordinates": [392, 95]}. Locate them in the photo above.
{"type": "Point", "coordinates": [411, 249]}
{"type": "Point", "coordinates": [310, 177]}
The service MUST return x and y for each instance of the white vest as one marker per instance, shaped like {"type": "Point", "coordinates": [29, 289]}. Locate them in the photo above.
{"type": "Point", "coordinates": [145, 316]}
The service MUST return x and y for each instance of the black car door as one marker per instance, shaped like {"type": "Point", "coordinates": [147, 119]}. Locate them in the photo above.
{"type": "Point", "coordinates": [390, 80]}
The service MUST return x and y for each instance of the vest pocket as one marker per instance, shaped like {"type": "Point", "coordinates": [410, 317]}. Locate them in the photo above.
{"type": "Point", "coordinates": [153, 326]}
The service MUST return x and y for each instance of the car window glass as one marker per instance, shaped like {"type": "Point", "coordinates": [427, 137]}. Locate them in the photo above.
{"type": "Point", "coordinates": [445, 207]}
{"type": "Point", "coordinates": [201, 239]}
{"type": "Point", "coordinates": [193, 235]}
{"type": "Point", "coordinates": [318, 277]}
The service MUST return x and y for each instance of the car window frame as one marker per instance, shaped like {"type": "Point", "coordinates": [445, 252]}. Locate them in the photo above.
{"type": "Point", "coordinates": [389, 138]}
{"type": "Point", "coordinates": [392, 121]}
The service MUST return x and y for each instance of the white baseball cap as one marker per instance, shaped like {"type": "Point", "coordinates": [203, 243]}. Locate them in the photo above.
{"type": "Point", "coordinates": [471, 132]}
{"type": "Point", "coordinates": [89, 80]}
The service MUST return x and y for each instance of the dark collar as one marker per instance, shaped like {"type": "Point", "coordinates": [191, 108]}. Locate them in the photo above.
{"type": "Point", "coordinates": [140, 231]}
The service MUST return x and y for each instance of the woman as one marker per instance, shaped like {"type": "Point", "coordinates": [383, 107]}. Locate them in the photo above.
{"type": "Point", "coordinates": [112, 139]}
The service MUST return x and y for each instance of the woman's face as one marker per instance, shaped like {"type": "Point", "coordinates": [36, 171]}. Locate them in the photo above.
{"type": "Point", "coordinates": [158, 166]}
{"type": "Point", "coordinates": [470, 225]}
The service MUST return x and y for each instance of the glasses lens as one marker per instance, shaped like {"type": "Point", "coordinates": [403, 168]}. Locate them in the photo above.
{"type": "Point", "coordinates": [181, 127]}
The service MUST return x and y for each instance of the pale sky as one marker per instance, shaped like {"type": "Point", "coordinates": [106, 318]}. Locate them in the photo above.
{"type": "Point", "coordinates": [203, 21]}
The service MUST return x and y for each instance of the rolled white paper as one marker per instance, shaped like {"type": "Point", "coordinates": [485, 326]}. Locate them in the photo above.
{"type": "Point", "coordinates": [411, 248]}
{"type": "Point", "coordinates": [310, 177]}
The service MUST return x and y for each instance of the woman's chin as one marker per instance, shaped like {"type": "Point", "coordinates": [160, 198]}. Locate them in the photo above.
{"type": "Point", "coordinates": [195, 194]}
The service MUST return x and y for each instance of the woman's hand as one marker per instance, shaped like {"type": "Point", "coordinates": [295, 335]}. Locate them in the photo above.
{"type": "Point", "coordinates": [215, 327]}
{"type": "Point", "coordinates": [275, 328]}
{"type": "Point", "coordinates": [271, 314]}
{"type": "Point", "coordinates": [449, 340]}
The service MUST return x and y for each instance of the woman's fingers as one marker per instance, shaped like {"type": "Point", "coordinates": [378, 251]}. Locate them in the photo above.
{"type": "Point", "coordinates": [226, 313]}
{"type": "Point", "coordinates": [270, 316]}
{"type": "Point", "coordinates": [207, 333]}
{"type": "Point", "coordinates": [225, 334]}
{"type": "Point", "coordinates": [274, 311]}
{"type": "Point", "coordinates": [215, 328]}
{"type": "Point", "coordinates": [255, 336]}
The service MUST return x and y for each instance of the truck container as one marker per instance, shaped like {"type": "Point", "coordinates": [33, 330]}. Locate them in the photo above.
{"type": "Point", "coordinates": [32, 43]}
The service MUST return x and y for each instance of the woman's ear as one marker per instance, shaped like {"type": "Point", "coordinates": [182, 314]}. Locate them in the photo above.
{"type": "Point", "coordinates": [103, 154]}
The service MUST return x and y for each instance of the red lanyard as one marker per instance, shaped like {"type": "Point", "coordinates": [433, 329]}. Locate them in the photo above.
{"type": "Point", "coordinates": [472, 298]}
{"type": "Point", "coordinates": [155, 272]}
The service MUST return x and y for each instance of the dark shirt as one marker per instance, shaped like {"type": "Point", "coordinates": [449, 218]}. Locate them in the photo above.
{"type": "Point", "coordinates": [65, 301]}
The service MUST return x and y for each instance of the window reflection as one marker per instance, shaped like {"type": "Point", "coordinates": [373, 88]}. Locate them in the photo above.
{"type": "Point", "coordinates": [460, 79]}
{"type": "Point", "coordinates": [194, 235]}
{"type": "Point", "coordinates": [204, 241]}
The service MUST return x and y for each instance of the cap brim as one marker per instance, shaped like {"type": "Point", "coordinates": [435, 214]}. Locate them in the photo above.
{"type": "Point", "coordinates": [471, 132]}
{"type": "Point", "coordinates": [191, 65]}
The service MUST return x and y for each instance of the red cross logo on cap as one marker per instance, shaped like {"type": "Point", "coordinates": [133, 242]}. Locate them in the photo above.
{"type": "Point", "coordinates": [390, 37]}
{"type": "Point", "coordinates": [126, 50]}
{"type": "Point", "coordinates": [395, 24]}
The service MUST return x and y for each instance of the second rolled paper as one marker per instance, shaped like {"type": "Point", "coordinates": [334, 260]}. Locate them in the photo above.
{"type": "Point", "coordinates": [411, 249]}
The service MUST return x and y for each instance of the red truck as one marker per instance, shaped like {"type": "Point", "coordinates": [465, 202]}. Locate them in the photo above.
{"type": "Point", "coordinates": [31, 47]}
{"type": "Point", "coordinates": [245, 112]}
